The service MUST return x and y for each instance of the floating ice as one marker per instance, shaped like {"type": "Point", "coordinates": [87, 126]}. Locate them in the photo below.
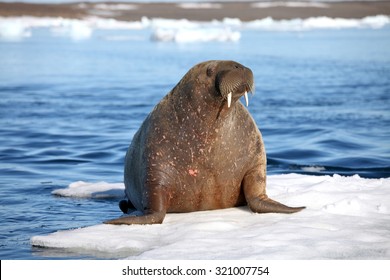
{"type": "Point", "coordinates": [269, 24]}
{"type": "Point", "coordinates": [20, 26]}
{"type": "Point", "coordinates": [183, 35]}
{"type": "Point", "coordinates": [313, 168]}
{"type": "Point", "coordinates": [92, 190]}
{"type": "Point", "coordinates": [75, 29]}
{"type": "Point", "coordinates": [185, 31]}
{"type": "Point", "coordinates": [375, 21]}
{"type": "Point", "coordinates": [346, 218]}
{"type": "Point", "coordinates": [14, 30]}
{"type": "Point", "coordinates": [179, 30]}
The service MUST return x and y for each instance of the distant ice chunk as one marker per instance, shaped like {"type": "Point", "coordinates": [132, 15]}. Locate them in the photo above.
{"type": "Point", "coordinates": [14, 29]}
{"type": "Point", "coordinates": [376, 21]}
{"type": "Point", "coordinates": [189, 35]}
{"type": "Point", "coordinates": [75, 29]}
{"type": "Point", "coordinates": [81, 189]}
{"type": "Point", "coordinates": [313, 23]}
{"type": "Point", "coordinates": [157, 23]}
{"type": "Point", "coordinates": [185, 31]}
{"type": "Point", "coordinates": [232, 22]}
{"type": "Point", "coordinates": [313, 168]}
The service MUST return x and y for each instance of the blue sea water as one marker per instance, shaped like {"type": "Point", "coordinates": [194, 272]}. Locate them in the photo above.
{"type": "Point", "coordinates": [69, 109]}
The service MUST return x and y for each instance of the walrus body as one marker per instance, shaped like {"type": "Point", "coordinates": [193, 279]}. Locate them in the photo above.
{"type": "Point", "coordinates": [199, 149]}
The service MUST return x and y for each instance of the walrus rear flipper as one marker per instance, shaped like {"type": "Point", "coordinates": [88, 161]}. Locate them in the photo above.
{"type": "Point", "coordinates": [152, 218]}
{"type": "Point", "coordinates": [267, 205]}
{"type": "Point", "coordinates": [125, 206]}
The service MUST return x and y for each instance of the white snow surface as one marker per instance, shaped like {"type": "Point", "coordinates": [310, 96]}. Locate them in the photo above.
{"type": "Point", "coordinates": [346, 218]}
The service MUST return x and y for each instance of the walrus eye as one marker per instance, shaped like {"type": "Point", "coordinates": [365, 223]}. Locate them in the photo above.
{"type": "Point", "coordinates": [210, 71]}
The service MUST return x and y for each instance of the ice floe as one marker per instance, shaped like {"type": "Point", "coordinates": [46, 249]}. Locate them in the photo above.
{"type": "Point", "coordinates": [346, 218]}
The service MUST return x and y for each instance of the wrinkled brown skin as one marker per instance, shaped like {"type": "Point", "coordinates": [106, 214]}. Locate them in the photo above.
{"type": "Point", "coordinates": [193, 153]}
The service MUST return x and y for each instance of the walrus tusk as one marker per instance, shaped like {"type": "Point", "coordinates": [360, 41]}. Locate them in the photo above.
{"type": "Point", "coordinates": [246, 99]}
{"type": "Point", "coordinates": [229, 98]}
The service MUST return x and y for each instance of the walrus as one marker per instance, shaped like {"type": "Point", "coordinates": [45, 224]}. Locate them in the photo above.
{"type": "Point", "coordinates": [199, 149]}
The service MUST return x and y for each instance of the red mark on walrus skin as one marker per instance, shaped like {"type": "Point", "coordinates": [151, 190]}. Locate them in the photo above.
{"type": "Point", "coordinates": [193, 172]}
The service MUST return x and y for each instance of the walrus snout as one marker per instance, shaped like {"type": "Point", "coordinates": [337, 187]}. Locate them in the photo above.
{"type": "Point", "coordinates": [235, 82]}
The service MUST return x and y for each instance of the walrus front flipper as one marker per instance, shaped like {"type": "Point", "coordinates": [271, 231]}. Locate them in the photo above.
{"type": "Point", "coordinates": [254, 190]}
{"type": "Point", "coordinates": [152, 218]}
{"type": "Point", "coordinates": [265, 204]}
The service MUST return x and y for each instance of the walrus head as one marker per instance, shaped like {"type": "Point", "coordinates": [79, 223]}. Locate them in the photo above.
{"type": "Point", "coordinates": [232, 80]}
